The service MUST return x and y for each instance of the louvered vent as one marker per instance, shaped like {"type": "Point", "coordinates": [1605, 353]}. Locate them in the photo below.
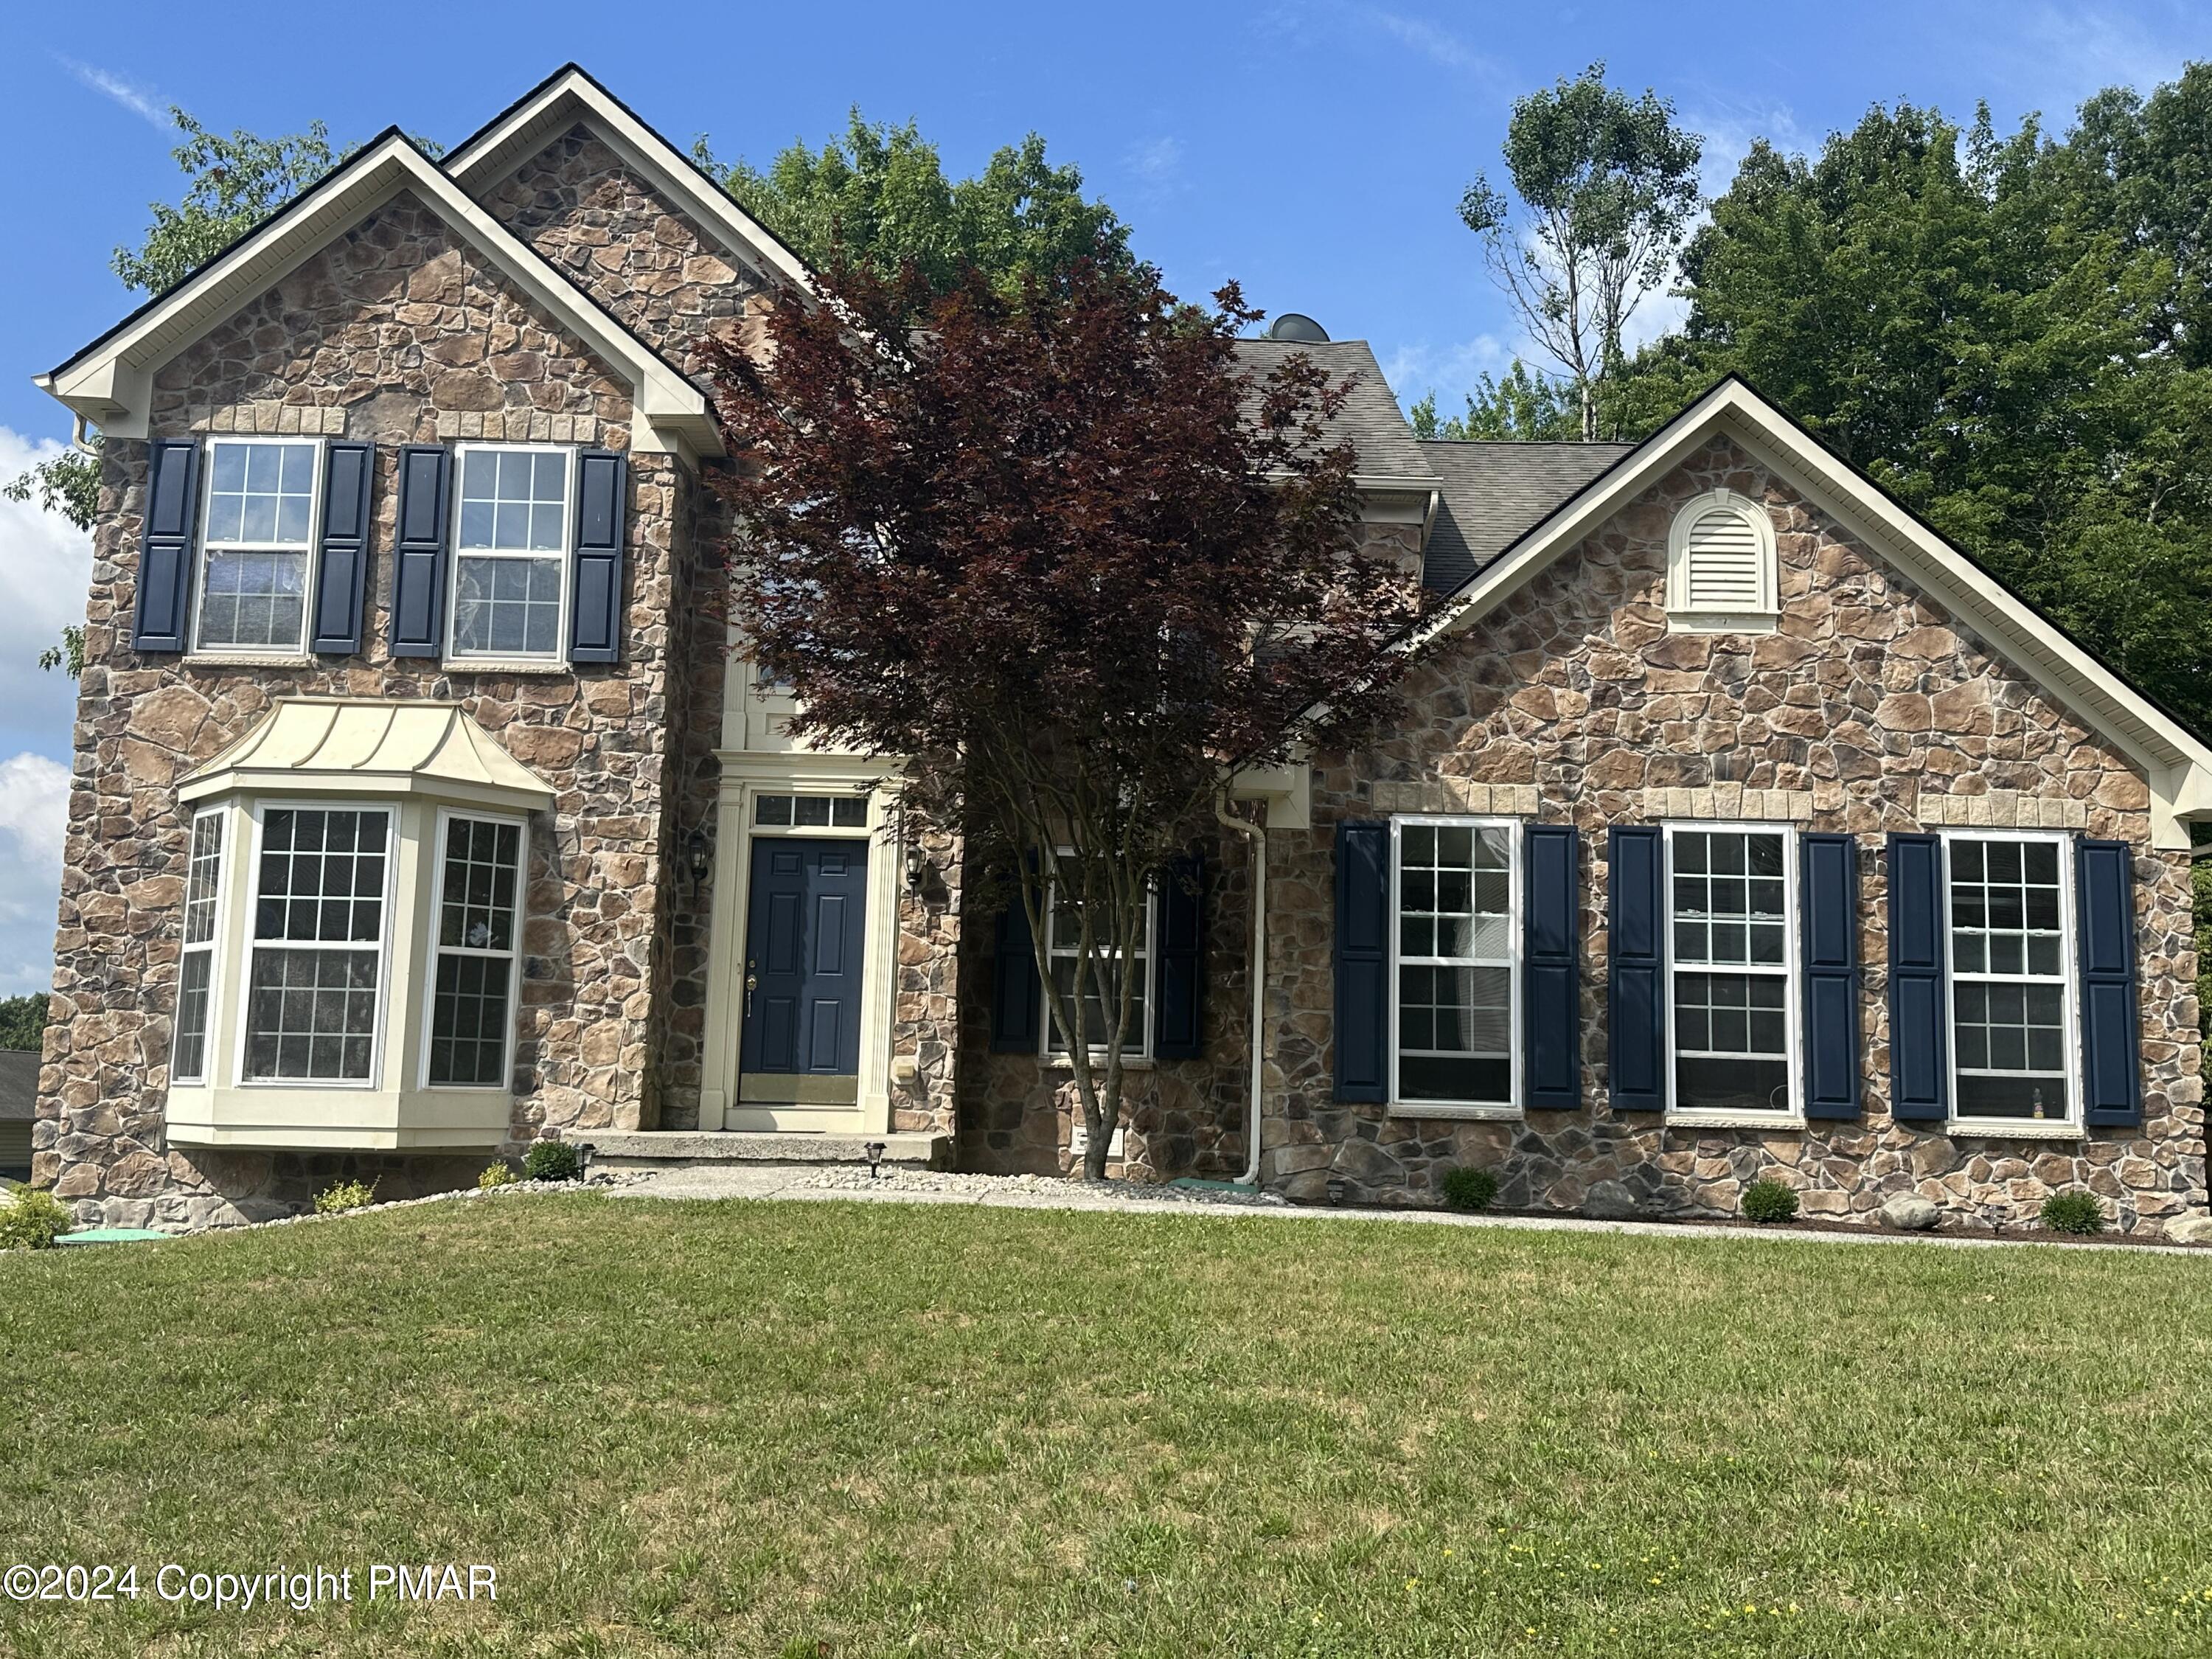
{"type": "Point", "coordinates": [1723, 564]}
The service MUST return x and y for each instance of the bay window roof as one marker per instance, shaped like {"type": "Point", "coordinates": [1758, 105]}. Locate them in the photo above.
{"type": "Point", "coordinates": [370, 746]}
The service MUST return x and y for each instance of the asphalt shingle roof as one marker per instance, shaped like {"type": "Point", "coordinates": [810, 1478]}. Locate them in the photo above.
{"type": "Point", "coordinates": [1493, 494]}
{"type": "Point", "coordinates": [1370, 416]}
{"type": "Point", "coordinates": [19, 1084]}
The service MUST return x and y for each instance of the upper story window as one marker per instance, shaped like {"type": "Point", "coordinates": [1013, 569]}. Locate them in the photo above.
{"type": "Point", "coordinates": [256, 544]}
{"type": "Point", "coordinates": [2011, 977]}
{"type": "Point", "coordinates": [1721, 566]}
{"type": "Point", "coordinates": [1730, 933]}
{"type": "Point", "coordinates": [511, 551]}
{"type": "Point", "coordinates": [1455, 943]}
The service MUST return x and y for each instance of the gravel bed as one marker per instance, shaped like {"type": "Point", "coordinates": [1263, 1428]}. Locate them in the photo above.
{"type": "Point", "coordinates": [944, 1183]}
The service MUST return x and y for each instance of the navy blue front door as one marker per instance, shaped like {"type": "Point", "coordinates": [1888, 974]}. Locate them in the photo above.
{"type": "Point", "coordinates": [802, 981]}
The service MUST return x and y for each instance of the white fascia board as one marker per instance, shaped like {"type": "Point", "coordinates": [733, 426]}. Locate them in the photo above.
{"type": "Point", "coordinates": [109, 383]}
{"type": "Point", "coordinates": [493, 155]}
{"type": "Point", "coordinates": [2176, 765]}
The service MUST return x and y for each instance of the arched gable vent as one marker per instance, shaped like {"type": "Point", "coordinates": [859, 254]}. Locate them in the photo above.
{"type": "Point", "coordinates": [1721, 574]}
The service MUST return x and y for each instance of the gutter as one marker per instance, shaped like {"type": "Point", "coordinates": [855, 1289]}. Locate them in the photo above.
{"type": "Point", "coordinates": [1258, 837]}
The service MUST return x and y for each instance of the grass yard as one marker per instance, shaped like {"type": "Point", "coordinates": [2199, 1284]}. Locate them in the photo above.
{"type": "Point", "coordinates": [825, 1429]}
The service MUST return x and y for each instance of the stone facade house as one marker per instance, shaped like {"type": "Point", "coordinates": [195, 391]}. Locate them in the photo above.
{"type": "Point", "coordinates": [1736, 825]}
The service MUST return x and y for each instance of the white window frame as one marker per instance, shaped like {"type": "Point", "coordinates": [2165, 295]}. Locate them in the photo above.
{"type": "Point", "coordinates": [248, 943]}
{"type": "Point", "coordinates": [207, 546]}
{"type": "Point", "coordinates": [1516, 879]}
{"type": "Point", "coordinates": [1143, 1050]}
{"type": "Point", "coordinates": [2071, 1123]}
{"type": "Point", "coordinates": [436, 879]}
{"type": "Point", "coordinates": [226, 854]}
{"type": "Point", "coordinates": [1792, 973]}
{"type": "Point", "coordinates": [564, 556]}
{"type": "Point", "coordinates": [1682, 614]}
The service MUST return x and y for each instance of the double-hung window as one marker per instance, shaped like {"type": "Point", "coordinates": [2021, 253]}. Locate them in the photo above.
{"type": "Point", "coordinates": [196, 975]}
{"type": "Point", "coordinates": [1730, 931]}
{"type": "Point", "coordinates": [472, 987]}
{"type": "Point", "coordinates": [510, 552]}
{"type": "Point", "coordinates": [2011, 977]}
{"type": "Point", "coordinates": [1063, 933]}
{"type": "Point", "coordinates": [1457, 933]}
{"type": "Point", "coordinates": [257, 546]}
{"type": "Point", "coordinates": [315, 982]}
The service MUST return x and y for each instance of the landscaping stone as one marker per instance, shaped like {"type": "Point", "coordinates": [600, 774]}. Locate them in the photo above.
{"type": "Point", "coordinates": [2195, 1229]}
{"type": "Point", "coordinates": [1908, 1213]}
{"type": "Point", "coordinates": [1609, 1200]}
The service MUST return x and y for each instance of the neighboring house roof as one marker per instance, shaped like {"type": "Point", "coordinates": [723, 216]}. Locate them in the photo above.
{"type": "Point", "coordinates": [110, 381]}
{"type": "Point", "coordinates": [2176, 763]}
{"type": "Point", "coordinates": [1493, 494]}
{"type": "Point", "coordinates": [1371, 417]}
{"type": "Point", "coordinates": [19, 1084]}
{"type": "Point", "coordinates": [370, 745]}
{"type": "Point", "coordinates": [569, 97]}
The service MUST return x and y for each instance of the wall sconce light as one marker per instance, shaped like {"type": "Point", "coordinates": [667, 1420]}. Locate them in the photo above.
{"type": "Point", "coordinates": [697, 851]}
{"type": "Point", "coordinates": [917, 867]}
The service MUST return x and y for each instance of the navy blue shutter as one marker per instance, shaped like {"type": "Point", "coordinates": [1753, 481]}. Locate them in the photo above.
{"type": "Point", "coordinates": [595, 615]}
{"type": "Point", "coordinates": [418, 550]}
{"type": "Point", "coordinates": [1363, 959]}
{"type": "Point", "coordinates": [1919, 1024]}
{"type": "Point", "coordinates": [1636, 1058]}
{"type": "Point", "coordinates": [1828, 868]}
{"type": "Point", "coordinates": [1015, 991]}
{"type": "Point", "coordinates": [1551, 969]}
{"type": "Point", "coordinates": [341, 550]}
{"type": "Point", "coordinates": [2112, 1030]}
{"type": "Point", "coordinates": [1179, 962]}
{"type": "Point", "coordinates": [163, 622]}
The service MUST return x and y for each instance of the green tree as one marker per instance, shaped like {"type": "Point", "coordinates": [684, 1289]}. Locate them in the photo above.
{"type": "Point", "coordinates": [878, 196]}
{"type": "Point", "coordinates": [1606, 184]}
{"type": "Point", "coordinates": [23, 1021]}
{"type": "Point", "coordinates": [1519, 407]}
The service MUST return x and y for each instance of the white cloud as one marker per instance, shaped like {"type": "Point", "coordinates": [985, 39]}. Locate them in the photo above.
{"type": "Point", "coordinates": [34, 814]}
{"type": "Point", "coordinates": [1415, 368]}
{"type": "Point", "coordinates": [1439, 45]}
{"type": "Point", "coordinates": [1158, 161]}
{"type": "Point", "coordinates": [147, 105]}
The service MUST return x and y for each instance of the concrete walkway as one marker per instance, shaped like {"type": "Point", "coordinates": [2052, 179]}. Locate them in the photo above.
{"type": "Point", "coordinates": [1044, 1193]}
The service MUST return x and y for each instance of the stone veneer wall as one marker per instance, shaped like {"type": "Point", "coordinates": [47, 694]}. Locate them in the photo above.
{"type": "Point", "coordinates": [396, 324]}
{"type": "Point", "coordinates": [1872, 701]}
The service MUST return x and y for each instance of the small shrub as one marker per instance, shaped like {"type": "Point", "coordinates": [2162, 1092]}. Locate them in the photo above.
{"type": "Point", "coordinates": [499, 1175]}
{"type": "Point", "coordinates": [1467, 1188]}
{"type": "Point", "coordinates": [1769, 1200]}
{"type": "Point", "coordinates": [2073, 1212]}
{"type": "Point", "coordinates": [551, 1160]}
{"type": "Point", "coordinates": [346, 1195]}
{"type": "Point", "coordinates": [32, 1219]}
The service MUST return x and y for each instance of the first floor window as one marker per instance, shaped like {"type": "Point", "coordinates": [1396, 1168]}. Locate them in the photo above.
{"type": "Point", "coordinates": [510, 551]}
{"type": "Point", "coordinates": [472, 995]}
{"type": "Point", "coordinates": [255, 537]}
{"type": "Point", "coordinates": [2009, 977]}
{"type": "Point", "coordinates": [1729, 932]}
{"type": "Point", "coordinates": [317, 971]}
{"type": "Point", "coordinates": [1455, 939]}
{"type": "Point", "coordinates": [195, 973]}
{"type": "Point", "coordinates": [1063, 932]}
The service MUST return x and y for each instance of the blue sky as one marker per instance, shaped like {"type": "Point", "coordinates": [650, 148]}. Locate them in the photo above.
{"type": "Point", "coordinates": [1314, 149]}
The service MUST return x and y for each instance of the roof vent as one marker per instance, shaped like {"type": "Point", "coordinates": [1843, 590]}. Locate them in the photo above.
{"type": "Point", "coordinates": [1297, 326]}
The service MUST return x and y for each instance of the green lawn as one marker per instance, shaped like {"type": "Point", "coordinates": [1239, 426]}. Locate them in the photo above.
{"type": "Point", "coordinates": [857, 1429]}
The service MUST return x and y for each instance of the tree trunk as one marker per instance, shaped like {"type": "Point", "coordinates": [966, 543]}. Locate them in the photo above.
{"type": "Point", "coordinates": [1588, 390]}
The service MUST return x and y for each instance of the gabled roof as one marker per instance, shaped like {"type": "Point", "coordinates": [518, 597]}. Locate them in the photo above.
{"type": "Point", "coordinates": [1496, 493]}
{"type": "Point", "coordinates": [110, 382]}
{"type": "Point", "coordinates": [1371, 418]}
{"type": "Point", "coordinates": [569, 96]}
{"type": "Point", "coordinates": [372, 747]}
{"type": "Point", "coordinates": [2176, 763]}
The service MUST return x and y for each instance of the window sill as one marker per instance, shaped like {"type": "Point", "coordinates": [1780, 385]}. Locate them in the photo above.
{"type": "Point", "coordinates": [503, 665]}
{"type": "Point", "coordinates": [1723, 621]}
{"type": "Point", "coordinates": [247, 660]}
{"type": "Point", "coordinates": [1129, 1063]}
{"type": "Point", "coordinates": [1464, 1114]}
{"type": "Point", "coordinates": [1735, 1121]}
{"type": "Point", "coordinates": [2002, 1128]}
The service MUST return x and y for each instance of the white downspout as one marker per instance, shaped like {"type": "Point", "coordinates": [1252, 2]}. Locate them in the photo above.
{"type": "Point", "coordinates": [1258, 837]}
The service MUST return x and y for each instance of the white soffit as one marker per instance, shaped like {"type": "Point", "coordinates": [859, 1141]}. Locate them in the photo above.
{"type": "Point", "coordinates": [110, 382]}
{"type": "Point", "coordinates": [570, 97]}
{"type": "Point", "coordinates": [369, 746]}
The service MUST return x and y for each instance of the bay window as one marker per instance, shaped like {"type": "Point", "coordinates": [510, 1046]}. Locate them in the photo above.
{"type": "Point", "coordinates": [472, 1021]}
{"type": "Point", "coordinates": [315, 973]}
{"type": "Point", "coordinates": [196, 969]}
{"type": "Point", "coordinates": [1731, 934]}
{"type": "Point", "coordinates": [1456, 937]}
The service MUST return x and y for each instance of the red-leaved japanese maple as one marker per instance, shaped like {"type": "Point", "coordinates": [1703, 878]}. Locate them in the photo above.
{"type": "Point", "coordinates": [1057, 552]}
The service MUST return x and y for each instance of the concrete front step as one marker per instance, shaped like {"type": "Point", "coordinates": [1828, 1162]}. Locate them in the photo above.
{"type": "Point", "coordinates": [659, 1149]}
